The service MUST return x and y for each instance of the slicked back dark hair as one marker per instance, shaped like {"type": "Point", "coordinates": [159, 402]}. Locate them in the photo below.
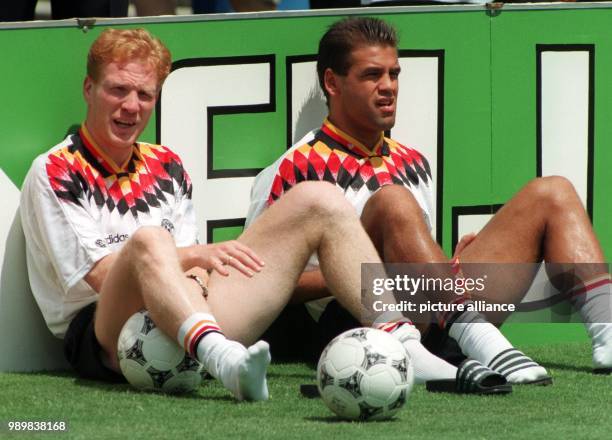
{"type": "Point", "coordinates": [344, 36]}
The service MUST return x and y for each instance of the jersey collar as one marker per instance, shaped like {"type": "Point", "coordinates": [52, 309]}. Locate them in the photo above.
{"type": "Point", "coordinates": [103, 158]}
{"type": "Point", "coordinates": [352, 144]}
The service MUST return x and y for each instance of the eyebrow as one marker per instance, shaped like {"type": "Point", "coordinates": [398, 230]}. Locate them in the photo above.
{"type": "Point", "coordinates": [111, 84]}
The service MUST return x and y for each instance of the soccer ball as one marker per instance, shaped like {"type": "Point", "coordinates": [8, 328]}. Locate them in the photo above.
{"type": "Point", "coordinates": [364, 374]}
{"type": "Point", "coordinates": [152, 361]}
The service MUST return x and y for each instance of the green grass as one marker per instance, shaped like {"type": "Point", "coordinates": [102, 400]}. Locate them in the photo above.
{"type": "Point", "coordinates": [576, 406]}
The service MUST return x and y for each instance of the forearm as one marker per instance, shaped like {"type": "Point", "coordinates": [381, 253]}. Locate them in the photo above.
{"type": "Point", "coordinates": [96, 276]}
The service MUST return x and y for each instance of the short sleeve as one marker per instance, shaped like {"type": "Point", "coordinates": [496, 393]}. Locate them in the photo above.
{"type": "Point", "coordinates": [184, 221]}
{"type": "Point", "coordinates": [60, 233]}
{"type": "Point", "coordinates": [184, 226]}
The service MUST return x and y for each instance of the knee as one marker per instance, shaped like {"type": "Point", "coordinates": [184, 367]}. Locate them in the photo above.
{"type": "Point", "coordinates": [392, 204]}
{"type": "Point", "coordinates": [551, 192]}
{"type": "Point", "coordinates": [148, 243]}
{"type": "Point", "coordinates": [319, 199]}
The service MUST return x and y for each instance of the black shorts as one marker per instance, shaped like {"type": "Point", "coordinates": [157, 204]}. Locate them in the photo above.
{"type": "Point", "coordinates": [82, 349]}
{"type": "Point", "coordinates": [296, 336]}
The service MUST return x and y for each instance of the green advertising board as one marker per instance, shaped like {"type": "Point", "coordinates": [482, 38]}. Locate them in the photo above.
{"type": "Point", "coordinates": [487, 129]}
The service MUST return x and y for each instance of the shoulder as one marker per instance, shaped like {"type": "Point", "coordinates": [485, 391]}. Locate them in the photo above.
{"type": "Point", "coordinates": [161, 152]}
{"type": "Point", "coordinates": [161, 157]}
{"type": "Point", "coordinates": [404, 150]}
{"type": "Point", "coordinates": [57, 157]}
{"type": "Point", "coordinates": [313, 142]}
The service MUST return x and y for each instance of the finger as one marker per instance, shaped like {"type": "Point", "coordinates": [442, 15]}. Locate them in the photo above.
{"type": "Point", "coordinates": [469, 237]}
{"type": "Point", "coordinates": [218, 265]}
{"type": "Point", "coordinates": [247, 260]}
{"type": "Point", "coordinates": [238, 265]}
{"type": "Point", "coordinates": [464, 242]}
{"type": "Point", "coordinates": [251, 253]}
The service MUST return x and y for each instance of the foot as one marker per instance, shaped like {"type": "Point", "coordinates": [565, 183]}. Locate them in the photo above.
{"type": "Point", "coordinates": [482, 341]}
{"type": "Point", "coordinates": [601, 337]}
{"type": "Point", "coordinates": [251, 373]}
{"type": "Point", "coordinates": [241, 370]}
{"type": "Point", "coordinates": [519, 369]}
{"type": "Point", "coordinates": [426, 365]}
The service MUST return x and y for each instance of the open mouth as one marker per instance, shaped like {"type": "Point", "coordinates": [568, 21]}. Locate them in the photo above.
{"type": "Point", "coordinates": [124, 124]}
{"type": "Point", "coordinates": [386, 105]}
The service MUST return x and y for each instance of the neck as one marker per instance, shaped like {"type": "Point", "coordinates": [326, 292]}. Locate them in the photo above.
{"type": "Point", "coordinates": [367, 138]}
{"type": "Point", "coordinates": [117, 155]}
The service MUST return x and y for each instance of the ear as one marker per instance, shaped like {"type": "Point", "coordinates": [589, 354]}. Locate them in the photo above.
{"type": "Point", "coordinates": [331, 82]}
{"type": "Point", "coordinates": [87, 87]}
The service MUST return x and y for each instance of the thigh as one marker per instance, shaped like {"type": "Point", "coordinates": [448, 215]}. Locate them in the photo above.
{"type": "Point", "coordinates": [507, 250]}
{"type": "Point", "coordinates": [245, 307]}
{"type": "Point", "coordinates": [513, 235]}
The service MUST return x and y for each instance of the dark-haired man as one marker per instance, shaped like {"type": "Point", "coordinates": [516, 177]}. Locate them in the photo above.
{"type": "Point", "coordinates": [390, 187]}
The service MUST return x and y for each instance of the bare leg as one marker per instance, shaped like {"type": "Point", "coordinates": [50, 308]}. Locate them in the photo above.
{"type": "Point", "coordinates": [546, 220]}
{"type": "Point", "coordinates": [394, 220]}
{"type": "Point", "coordinates": [146, 274]}
{"type": "Point", "coordinates": [396, 223]}
{"type": "Point", "coordinates": [543, 221]}
{"type": "Point", "coordinates": [312, 217]}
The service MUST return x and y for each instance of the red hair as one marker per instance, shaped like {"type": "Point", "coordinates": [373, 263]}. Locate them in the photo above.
{"type": "Point", "coordinates": [122, 46]}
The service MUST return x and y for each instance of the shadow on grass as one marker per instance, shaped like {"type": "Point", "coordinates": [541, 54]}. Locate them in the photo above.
{"type": "Point", "coordinates": [51, 373]}
{"type": "Point", "coordinates": [566, 367]}
{"type": "Point", "coordinates": [127, 388]}
{"type": "Point", "coordinates": [308, 377]}
{"type": "Point", "coordinates": [336, 419]}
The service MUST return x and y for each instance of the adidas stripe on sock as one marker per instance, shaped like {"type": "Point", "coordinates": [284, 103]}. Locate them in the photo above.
{"type": "Point", "coordinates": [510, 361]}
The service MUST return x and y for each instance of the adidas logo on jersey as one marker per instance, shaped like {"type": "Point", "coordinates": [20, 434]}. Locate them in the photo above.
{"type": "Point", "coordinates": [112, 239]}
{"type": "Point", "coordinates": [167, 225]}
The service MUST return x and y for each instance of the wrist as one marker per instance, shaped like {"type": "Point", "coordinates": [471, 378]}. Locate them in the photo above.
{"type": "Point", "coordinates": [189, 257]}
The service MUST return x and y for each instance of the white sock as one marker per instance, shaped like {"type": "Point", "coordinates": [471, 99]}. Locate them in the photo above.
{"type": "Point", "coordinates": [593, 299]}
{"type": "Point", "coordinates": [482, 341]}
{"type": "Point", "coordinates": [426, 365]}
{"type": "Point", "coordinates": [240, 370]}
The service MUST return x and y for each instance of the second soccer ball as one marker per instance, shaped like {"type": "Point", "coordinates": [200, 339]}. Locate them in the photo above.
{"type": "Point", "coordinates": [152, 361]}
{"type": "Point", "coordinates": [364, 374]}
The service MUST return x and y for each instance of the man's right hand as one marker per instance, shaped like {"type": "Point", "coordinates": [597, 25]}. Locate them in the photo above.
{"type": "Point", "coordinates": [232, 253]}
{"type": "Point", "coordinates": [463, 243]}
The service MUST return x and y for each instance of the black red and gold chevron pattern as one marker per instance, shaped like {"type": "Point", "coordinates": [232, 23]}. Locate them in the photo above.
{"type": "Point", "coordinates": [81, 173]}
{"type": "Point", "coordinates": [335, 157]}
